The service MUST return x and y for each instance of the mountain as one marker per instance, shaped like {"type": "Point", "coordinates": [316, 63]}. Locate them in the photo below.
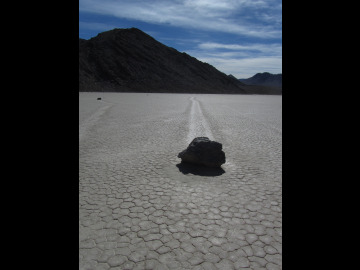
{"type": "Point", "coordinates": [129, 60]}
{"type": "Point", "coordinates": [265, 79]}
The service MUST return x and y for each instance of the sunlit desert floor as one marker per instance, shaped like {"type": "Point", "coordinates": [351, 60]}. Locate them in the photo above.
{"type": "Point", "coordinates": [139, 208]}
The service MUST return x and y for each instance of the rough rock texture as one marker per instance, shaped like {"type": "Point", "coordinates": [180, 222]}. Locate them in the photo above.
{"type": "Point", "coordinates": [203, 151]}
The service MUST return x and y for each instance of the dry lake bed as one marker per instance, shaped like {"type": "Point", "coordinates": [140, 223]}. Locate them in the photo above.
{"type": "Point", "coordinates": [139, 208]}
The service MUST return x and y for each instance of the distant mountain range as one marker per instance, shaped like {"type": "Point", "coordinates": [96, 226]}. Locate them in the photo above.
{"type": "Point", "coordinates": [266, 79]}
{"type": "Point", "coordinates": [129, 60]}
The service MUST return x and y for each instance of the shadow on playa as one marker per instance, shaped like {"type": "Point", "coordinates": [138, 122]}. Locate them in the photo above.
{"type": "Point", "coordinates": [201, 170]}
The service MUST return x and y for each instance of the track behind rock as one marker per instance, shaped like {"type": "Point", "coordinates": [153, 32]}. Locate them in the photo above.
{"type": "Point", "coordinates": [137, 210]}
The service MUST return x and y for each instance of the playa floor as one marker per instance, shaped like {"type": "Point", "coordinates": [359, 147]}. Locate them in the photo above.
{"type": "Point", "coordinates": [139, 208]}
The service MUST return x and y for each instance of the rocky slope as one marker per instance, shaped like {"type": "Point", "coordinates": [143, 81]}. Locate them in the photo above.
{"type": "Point", "coordinates": [129, 60]}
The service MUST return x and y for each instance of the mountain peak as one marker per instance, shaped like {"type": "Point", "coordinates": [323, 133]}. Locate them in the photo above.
{"type": "Point", "coordinates": [129, 60]}
{"type": "Point", "coordinates": [265, 79]}
{"type": "Point", "coordinates": [120, 31]}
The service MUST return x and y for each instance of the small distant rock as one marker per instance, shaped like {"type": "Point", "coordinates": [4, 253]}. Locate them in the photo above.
{"type": "Point", "coordinates": [203, 151]}
{"type": "Point", "coordinates": [99, 98]}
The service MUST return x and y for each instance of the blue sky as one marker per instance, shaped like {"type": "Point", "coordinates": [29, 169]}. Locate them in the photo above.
{"type": "Point", "coordinates": [238, 37]}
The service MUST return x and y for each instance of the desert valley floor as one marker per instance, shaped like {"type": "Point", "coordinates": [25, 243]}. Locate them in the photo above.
{"type": "Point", "coordinates": [139, 208]}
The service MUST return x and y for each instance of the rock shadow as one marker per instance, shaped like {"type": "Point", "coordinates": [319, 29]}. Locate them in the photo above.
{"type": "Point", "coordinates": [201, 170]}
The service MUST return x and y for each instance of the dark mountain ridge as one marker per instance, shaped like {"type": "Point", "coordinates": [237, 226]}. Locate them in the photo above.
{"type": "Point", "coordinates": [129, 60]}
{"type": "Point", "coordinates": [265, 78]}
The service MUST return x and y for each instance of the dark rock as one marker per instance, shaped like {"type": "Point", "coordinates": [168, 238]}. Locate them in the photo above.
{"type": "Point", "coordinates": [203, 151]}
{"type": "Point", "coordinates": [195, 169]}
{"type": "Point", "coordinates": [99, 98]}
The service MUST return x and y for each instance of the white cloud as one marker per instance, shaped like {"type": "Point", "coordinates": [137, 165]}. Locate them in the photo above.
{"type": "Point", "coordinates": [241, 60]}
{"type": "Point", "coordinates": [95, 26]}
{"type": "Point", "coordinates": [246, 67]}
{"type": "Point", "coordinates": [240, 63]}
{"type": "Point", "coordinates": [214, 15]}
{"type": "Point", "coordinates": [263, 48]}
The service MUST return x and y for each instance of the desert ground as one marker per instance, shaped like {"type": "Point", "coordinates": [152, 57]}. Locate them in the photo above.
{"type": "Point", "coordinates": [139, 208]}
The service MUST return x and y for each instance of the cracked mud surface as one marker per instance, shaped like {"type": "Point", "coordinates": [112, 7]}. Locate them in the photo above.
{"type": "Point", "coordinates": [138, 210]}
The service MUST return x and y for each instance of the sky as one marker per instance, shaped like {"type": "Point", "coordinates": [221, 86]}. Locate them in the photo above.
{"type": "Point", "coordinates": [237, 37]}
